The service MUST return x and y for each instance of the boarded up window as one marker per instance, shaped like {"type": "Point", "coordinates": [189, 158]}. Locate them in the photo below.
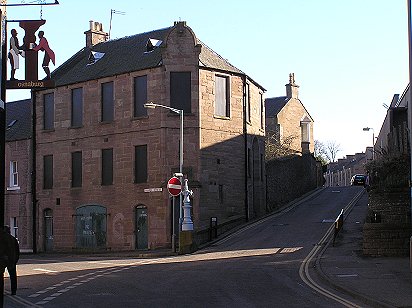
{"type": "Point", "coordinates": [91, 226]}
{"type": "Point", "coordinates": [247, 96]}
{"type": "Point", "coordinates": [222, 97]}
{"type": "Point", "coordinates": [107, 102]}
{"type": "Point", "coordinates": [181, 91]}
{"type": "Point", "coordinates": [262, 112]}
{"type": "Point", "coordinates": [107, 166]}
{"type": "Point", "coordinates": [77, 107]}
{"type": "Point", "coordinates": [140, 96]}
{"type": "Point", "coordinates": [77, 169]}
{"type": "Point", "coordinates": [48, 111]}
{"type": "Point", "coordinates": [48, 171]}
{"type": "Point", "coordinates": [140, 170]}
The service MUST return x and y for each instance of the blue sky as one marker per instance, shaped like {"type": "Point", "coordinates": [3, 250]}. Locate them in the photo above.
{"type": "Point", "coordinates": [349, 57]}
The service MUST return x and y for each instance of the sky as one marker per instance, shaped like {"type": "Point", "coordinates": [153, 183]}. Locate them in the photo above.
{"type": "Point", "coordinates": [349, 57]}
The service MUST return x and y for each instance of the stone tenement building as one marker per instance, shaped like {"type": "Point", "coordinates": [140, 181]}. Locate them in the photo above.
{"type": "Point", "coordinates": [18, 163]}
{"type": "Point", "coordinates": [288, 119]}
{"type": "Point", "coordinates": [103, 160]}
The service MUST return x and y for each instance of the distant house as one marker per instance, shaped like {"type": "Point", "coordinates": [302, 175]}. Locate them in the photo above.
{"type": "Point", "coordinates": [340, 173]}
{"type": "Point", "coordinates": [18, 163]}
{"type": "Point", "coordinates": [289, 121]}
{"type": "Point", "coordinates": [103, 159]}
{"type": "Point", "coordinates": [393, 135]}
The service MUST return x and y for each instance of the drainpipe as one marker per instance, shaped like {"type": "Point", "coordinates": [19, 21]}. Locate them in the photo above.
{"type": "Point", "coordinates": [246, 151]}
{"type": "Point", "coordinates": [33, 172]}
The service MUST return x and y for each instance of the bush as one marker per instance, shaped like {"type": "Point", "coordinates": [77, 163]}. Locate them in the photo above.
{"type": "Point", "coordinates": [389, 172]}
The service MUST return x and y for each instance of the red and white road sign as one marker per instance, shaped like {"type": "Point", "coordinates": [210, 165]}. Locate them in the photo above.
{"type": "Point", "coordinates": [174, 186]}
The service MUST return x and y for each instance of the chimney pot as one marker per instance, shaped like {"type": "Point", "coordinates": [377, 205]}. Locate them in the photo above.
{"type": "Point", "coordinates": [95, 34]}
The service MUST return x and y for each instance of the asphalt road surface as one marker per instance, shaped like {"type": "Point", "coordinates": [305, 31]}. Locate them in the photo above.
{"type": "Point", "coordinates": [257, 266]}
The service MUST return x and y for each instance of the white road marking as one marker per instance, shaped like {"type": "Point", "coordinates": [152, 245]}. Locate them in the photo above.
{"type": "Point", "coordinates": [44, 270]}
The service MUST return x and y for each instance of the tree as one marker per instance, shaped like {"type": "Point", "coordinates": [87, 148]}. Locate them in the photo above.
{"type": "Point", "coordinates": [332, 149]}
{"type": "Point", "coordinates": [320, 152]}
{"type": "Point", "coordinates": [277, 147]}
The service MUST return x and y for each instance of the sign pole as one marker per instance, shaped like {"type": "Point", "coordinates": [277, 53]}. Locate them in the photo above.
{"type": "Point", "coordinates": [173, 225]}
{"type": "Point", "coordinates": [174, 186]}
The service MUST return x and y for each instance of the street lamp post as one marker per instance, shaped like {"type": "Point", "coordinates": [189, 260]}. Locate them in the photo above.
{"type": "Point", "coordinates": [152, 105]}
{"type": "Point", "coordinates": [366, 129]}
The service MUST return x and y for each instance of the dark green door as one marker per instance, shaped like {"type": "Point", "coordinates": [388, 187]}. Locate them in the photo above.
{"type": "Point", "coordinates": [48, 230]}
{"type": "Point", "coordinates": [141, 228]}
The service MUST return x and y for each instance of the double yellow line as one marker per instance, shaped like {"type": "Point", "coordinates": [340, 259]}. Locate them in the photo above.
{"type": "Point", "coordinates": [325, 240]}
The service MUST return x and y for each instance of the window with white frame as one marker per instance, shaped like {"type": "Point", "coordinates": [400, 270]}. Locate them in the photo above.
{"type": "Point", "coordinates": [14, 174]}
{"type": "Point", "coordinates": [305, 129]}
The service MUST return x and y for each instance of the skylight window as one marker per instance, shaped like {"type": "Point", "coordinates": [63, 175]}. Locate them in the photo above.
{"type": "Point", "coordinates": [152, 44]}
{"type": "Point", "coordinates": [95, 56]}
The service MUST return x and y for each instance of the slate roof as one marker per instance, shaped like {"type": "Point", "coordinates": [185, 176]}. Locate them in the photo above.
{"type": "Point", "coordinates": [20, 112]}
{"type": "Point", "coordinates": [274, 105]}
{"type": "Point", "coordinates": [211, 59]}
{"type": "Point", "coordinates": [126, 55]}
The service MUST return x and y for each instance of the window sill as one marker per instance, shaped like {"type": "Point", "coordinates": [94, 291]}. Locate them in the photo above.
{"type": "Point", "coordinates": [13, 188]}
{"type": "Point", "coordinates": [139, 117]}
{"type": "Point", "coordinates": [76, 127]}
{"type": "Point", "coordinates": [50, 130]}
{"type": "Point", "coordinates": [221, 117]}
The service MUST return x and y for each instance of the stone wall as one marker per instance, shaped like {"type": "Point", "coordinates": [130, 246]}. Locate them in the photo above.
{"type": "Point", "coordinates": [387, 229]}
{"type": "Point", "coordinates": [290, 178]}
{"type": "Point", "coordinates": [389, 240]}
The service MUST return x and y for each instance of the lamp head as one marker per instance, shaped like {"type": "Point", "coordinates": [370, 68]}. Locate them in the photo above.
{"type": "Point", "coordinates": [366, 129]}
{"type": "Point", "coordinates": [149, 105]}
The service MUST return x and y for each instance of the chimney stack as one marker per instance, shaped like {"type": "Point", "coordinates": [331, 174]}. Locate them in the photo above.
{"type": "Point", "coordinates": [95, 34]}
{"type": "Point", "coordinates": [292, 89]}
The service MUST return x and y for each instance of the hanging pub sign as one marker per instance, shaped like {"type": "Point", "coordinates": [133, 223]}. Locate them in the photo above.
{"type": "Point", "coordinates": [28, 51]}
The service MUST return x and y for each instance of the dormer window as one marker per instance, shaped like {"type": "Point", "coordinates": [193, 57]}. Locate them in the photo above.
{"type": "Point", "coordinates": [10, 125]}
{"type": "Point", "coordinates": [94, 57]}
{"type": "Point", "coordinates": [152, 44]}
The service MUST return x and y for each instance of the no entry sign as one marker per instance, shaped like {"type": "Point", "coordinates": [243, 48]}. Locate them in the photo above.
{"type": "Point", "coordinates": [174, 186]}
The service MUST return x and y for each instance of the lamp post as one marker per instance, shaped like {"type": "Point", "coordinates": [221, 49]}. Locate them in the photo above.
{"type": "Point", "coordinates": [366, 129]}
{"type": "Point", "coordinates": [152, 105]}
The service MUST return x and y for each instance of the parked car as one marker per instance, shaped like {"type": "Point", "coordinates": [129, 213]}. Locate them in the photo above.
{"type": "Point", "coordinates": [358, 180]}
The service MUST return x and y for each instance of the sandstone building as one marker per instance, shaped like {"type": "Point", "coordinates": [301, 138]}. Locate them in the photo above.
{"type": "Point", "coordinates": [103, 160]}
{"type": "Point", "coordinates": [18, 163]}
{"type": "Point", "coordinates": [289, 121]}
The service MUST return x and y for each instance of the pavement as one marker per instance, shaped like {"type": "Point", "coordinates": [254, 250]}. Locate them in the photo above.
{"type": "Point", "coordinates": [374, 281]}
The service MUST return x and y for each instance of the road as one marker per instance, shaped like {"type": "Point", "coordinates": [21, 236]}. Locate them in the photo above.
{"type": "Point", "coordinates": [260, 265]}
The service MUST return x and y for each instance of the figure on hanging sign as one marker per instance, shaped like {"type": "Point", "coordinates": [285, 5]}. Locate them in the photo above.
{"type": "Point", "coordinates": [14, 52]}
{"type": "Point", "coordinates": [48, 53]}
